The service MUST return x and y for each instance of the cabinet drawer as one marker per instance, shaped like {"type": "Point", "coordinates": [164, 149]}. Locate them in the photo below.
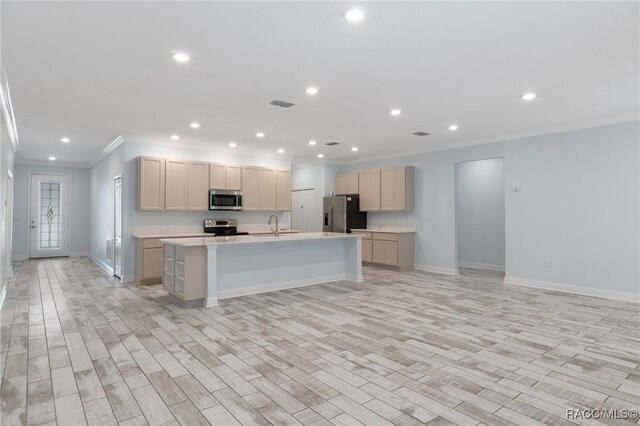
{"type": "Point", "coordinates": [383, 236]}
{"type": "Point", "coordinates": [365, 235]}
{"type": "Point", "coordinates": [152, 243]}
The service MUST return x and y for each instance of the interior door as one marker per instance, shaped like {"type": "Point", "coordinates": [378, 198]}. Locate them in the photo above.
{"type": "Point", "coordinates": [302, 210]}
{"type": "Point", "coordinates": [49, 215]}
{"type": "Point", "coordinates": [117, 225]}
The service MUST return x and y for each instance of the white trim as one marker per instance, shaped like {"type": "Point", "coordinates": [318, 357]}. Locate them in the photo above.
{"type": "Point", "coordinates": [2, 296]}
{"type": "Point", "coordinates": [245, 291]}
{"type": "Point", "coordinates": [437, 269]}
{"type": "Point", "coordinates": [19, 257]}
{"type": "Point", "coordinates": [128, 278]}
{"type": "Point", "coordinates": [485, 266]}
{"type": "Point", "coordinates": [210, 301]}
{"type": "Point", "coordinates": [80, 254]}
{"type": "Point", "coordinates": [7, 111]}
{"type": "Point", "coordinates": [573, 289]}
{"type": "Point", "coordinates": [101, 264]}
{"type": "Point", "coordinates": [110, 148]}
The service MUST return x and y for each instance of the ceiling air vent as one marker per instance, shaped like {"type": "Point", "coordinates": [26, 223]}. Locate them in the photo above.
{"type": "Point", "coordinates": [283, 104]}
{"type": "Point", "coordinates": [332, 143]}
{"type": "Point", "coordinates": [421, 134]}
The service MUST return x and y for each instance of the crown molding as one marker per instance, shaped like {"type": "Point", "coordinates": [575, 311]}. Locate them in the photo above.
{"type": "Point", "coordinates": [107, 150]}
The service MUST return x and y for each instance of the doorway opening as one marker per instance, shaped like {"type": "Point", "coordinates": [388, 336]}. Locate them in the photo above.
{"type": "Point", "coordinates": [49, 215]}
{"type": "Point", "coordinates": [117, 226]}
{"type": "Point", "coordinates": [303, 212]}
{"type": "Point", "coordinates": [480, 218]}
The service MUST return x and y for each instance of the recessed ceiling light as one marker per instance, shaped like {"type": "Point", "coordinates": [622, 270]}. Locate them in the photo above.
{"type": "Point", "coordinates": [528, 96]}
{"type": "Point", "coordinates": [260, 135]}
{"type": "Point", "coordinates": [180, 57]}
{"type": "Point", "coordinates": [280, 151]}
{"type": "Point", "coordinates": [320, 155]}
{"type": "Point", "coordinates": [312, 90]}
{"type": "Point", "coordinates": [354, 15]}
{"type": "Point", "coordinates": [175, 137]}
{"type": "Point", "coordinates": [194, 125]}
{"type": "Point", "coordinates": [233, 144]}
{"type": "Point", "coordinates": [354, 149]}
{"type": "Point", "coordinates": [395, 112]}
{"type": "Point", "coordinates": [52, 158]}
{"type": "Point", "coordinates": [312, 143]}
{"type": "Point", "coordinates": [65, 140]}
{"type": "Point", "coordinates": [453, 127]}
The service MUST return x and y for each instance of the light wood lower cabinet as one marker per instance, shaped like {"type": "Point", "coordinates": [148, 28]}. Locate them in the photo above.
{"type": "Point", "coordinates": [184, 270]}
{"type": "Point", "coordinates": [148, 261]}
{"type": "Point", "coordinates": [367, 250]}
{"type": "Point", "coordinates": [388, 249]}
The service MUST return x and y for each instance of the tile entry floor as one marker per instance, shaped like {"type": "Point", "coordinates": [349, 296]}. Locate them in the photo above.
{"type": "Point", "coordinates": [402, 348]}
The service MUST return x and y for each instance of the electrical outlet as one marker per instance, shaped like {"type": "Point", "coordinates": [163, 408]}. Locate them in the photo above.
{"type": "Point", "coordinates": [547, 263]}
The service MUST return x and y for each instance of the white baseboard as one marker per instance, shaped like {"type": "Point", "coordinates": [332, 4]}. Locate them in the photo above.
{"type": "Point", "coordinates": [2, 296]}
{"type": "Point", "coordinates": [210, 301]}
{"type": "Point", "coordinates": [485, 266]}
{"type": "Point", "coordinates": [437, 269]}
{"type": "Point", "coordinates": [573, 289]}
{"type": "Point", "coordinates": [128, 278]}
{"type": "Point", "coordinates": [80, 254]}
{"type": "Point", "coordinates": [19, 257]}
{"type": "Point", "coordinates": [245, 291]}
{"type": "Point", "coordinates": [102, 264]}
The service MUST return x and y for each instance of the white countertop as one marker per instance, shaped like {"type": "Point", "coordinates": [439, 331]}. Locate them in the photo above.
{"type": "Point", "coordinates": [389, 229]}
{"type": "Point", "coordinates": [255, 239]}
{"type": "Point", "coordinates": [201, 234]}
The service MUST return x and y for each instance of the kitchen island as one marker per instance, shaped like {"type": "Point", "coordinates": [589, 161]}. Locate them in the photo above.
{"type": "Point", "coordinates": [205, 269]}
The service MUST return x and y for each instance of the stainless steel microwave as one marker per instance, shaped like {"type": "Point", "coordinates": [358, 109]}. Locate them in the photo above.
{"type": "Point", "coordinates": [225, 200]}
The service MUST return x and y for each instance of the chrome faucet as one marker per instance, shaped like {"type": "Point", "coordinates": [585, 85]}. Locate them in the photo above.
{"type": "Point", "coordinates": [277, 227]}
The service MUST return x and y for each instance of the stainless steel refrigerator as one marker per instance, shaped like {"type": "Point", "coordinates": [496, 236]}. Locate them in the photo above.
{"type": "Point", "coordinates": [342, 213]}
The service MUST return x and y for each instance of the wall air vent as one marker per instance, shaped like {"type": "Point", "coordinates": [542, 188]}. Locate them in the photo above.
{"type": "Point", "coordinates": [421, 134]}
{"type": "Point", "coordinates": [332, 143]}
{"type": "Point", "coordinates": [283, 104]}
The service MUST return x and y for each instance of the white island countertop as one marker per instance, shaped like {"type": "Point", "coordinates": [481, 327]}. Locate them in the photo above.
{"type": "Point", "coordinates": [159, 235]}
{"type": "Point", "coordinates": [255, 239]}
{"type": "Point", "coordinates": [388, 229]}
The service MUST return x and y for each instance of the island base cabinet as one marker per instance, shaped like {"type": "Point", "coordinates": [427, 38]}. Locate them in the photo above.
{"type": "Point", "coordinates": [185, 274]}
{"type": "Point", "coordinates": [388, 249]}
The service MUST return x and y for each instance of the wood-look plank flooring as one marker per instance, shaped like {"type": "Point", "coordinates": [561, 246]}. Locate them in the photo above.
{"type": "Point", "coordinates": [78, 348]}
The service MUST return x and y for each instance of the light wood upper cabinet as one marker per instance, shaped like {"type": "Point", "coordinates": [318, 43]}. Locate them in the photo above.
{"type": "Point", "coordinates": [233, 177]}
{"type": "Point", "coordinates": [151, 176]}
{"type": "Point", "coordinates": [267, 189]}
{"type": "Point", "coordinates": [347, 183]}
{"type": "Point", "coordinates": [197, 185]}
{"type": "Point", "coordinates": [369, 190]}
{"type": "Point", "coordinates": [250, 188]}
{"type": "Point", "coordinates": [175, 196]}
{"type": "Point", "coordinates": [223, 176]}
{"type": "Point", "coordinates": [397, 189]}
{"type": "Point", "coordinates": [217, 176]}
{"type": "Point", "coordinates": [283, 190]}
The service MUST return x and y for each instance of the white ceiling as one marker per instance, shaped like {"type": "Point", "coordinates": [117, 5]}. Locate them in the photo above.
{"type": "Point", "coordinates": [94, 71]}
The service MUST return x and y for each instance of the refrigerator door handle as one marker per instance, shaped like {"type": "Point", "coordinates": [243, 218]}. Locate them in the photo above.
{"type": "Point", "coordinates": [331, 218]}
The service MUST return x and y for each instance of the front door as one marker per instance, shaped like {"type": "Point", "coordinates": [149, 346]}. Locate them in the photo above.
{"type": "Point", "coordinates": [49, 215]}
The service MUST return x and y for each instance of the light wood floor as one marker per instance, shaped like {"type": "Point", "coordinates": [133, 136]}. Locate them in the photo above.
{"type": "Point", "coordinates": [403, 348]}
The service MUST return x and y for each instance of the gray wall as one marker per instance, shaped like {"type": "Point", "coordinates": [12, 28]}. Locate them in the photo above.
{"type": "Point", "coordinates": [79, 220]}
{"type": "Point", "coordinates": [480, 213]}
{"type": "Point", "coordinates": [6, 166]}
{"type": "Point", "coordinates": [102, 203]}
{"type": "Point", "coordinates": [578, 206]}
